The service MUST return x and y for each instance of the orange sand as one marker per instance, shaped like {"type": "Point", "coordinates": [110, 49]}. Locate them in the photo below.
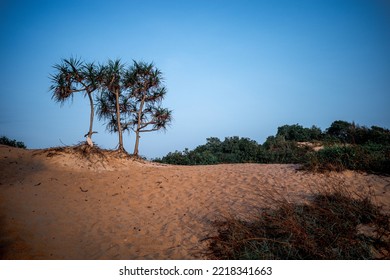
{"type": "Point", "coordinates": [64, 207]}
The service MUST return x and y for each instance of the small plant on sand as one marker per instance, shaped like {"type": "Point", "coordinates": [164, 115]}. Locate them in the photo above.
{"type": "Point", "coordinates": [333, 225]}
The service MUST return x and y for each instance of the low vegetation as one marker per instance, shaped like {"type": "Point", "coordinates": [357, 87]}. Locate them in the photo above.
{"type": "Point", "coordinates": [13, 143]}
{"type": "Point", "coordinates": [373, 157]}
{"type": "Point", "coordinates": [341, 146]}
{"type": "Point", "coordinates": [333, 225]}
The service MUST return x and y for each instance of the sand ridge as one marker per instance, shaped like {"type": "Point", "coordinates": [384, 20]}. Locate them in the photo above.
{"type": "Point", "coordinates": [59, 206]}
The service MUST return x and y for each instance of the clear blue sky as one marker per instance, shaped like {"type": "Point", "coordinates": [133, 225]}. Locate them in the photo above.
{"type": "Point", "coordinates": [231, 67]}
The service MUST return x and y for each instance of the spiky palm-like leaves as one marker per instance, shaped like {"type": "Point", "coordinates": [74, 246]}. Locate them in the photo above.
{"type": "Point", "coordinates": [146, 90]}
{"type": "Point", "coordinates": [161, 117]}
{"type": "Point", "coordinates": [106, 109]}
{"type": "Point", "coordinates": [72, 76]}
{"type": "Point", "coordinates": [129, 98]}
{"type": "Point", "coordinates": [109, 105]}
{"type": "Point", "coordinates": [65, 80]}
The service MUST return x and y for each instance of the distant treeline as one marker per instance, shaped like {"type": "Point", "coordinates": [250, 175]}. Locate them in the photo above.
{"type": "Point", "coordinates": [342, 146]}
{"type": "Point", "coordinates": [13, 143]}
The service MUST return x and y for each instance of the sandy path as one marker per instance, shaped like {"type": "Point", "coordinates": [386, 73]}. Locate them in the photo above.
{"type": "Point", "coordinates": [63, 208]}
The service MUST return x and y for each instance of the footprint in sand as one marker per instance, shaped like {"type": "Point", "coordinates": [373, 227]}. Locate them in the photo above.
{"type": "Point", "coordinates": [254, 180]}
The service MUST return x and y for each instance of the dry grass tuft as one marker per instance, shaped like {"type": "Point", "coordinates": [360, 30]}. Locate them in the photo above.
{"type": "Point", "coordinates": [84, 151]}
{"type": "Point", "coordinates": [333, 224]}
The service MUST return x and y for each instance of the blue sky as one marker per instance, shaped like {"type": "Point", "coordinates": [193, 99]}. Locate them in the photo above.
{"type": "Point", "coordinates": [232, 68]}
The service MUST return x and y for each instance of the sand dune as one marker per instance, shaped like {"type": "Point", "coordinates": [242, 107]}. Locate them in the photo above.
{"type": "Point", "coordinates": [58, 206]}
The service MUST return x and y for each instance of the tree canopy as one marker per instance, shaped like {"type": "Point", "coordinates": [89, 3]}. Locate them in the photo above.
{"type": "Point", "coordinates": [72, 76]}
{"type": "Point", "coordinates": [129, 98]}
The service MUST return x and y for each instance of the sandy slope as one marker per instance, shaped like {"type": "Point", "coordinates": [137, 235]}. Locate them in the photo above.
{"type": "Point", "coordinates": [57, 206]}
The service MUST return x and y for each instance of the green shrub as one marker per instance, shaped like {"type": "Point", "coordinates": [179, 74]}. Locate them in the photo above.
{"type": "Point", "coordinates": [352, 133]}
{"type": "Point", "coordinates": [370, 157]}
{"type": "Point", "coordinates": [231, 150]}
{"type": "Point", "coordinates": [279, 150]}
{"type": "Point", "coordinates": [336, 158]}
{"type": "Point", "coordinates": [177, 158]}
{"type": "Point", "coordinates": [299, 133]}
{"type": "Point", "coordinates": [348, 146]}
{"type": "Point", "coordinates": [202, 158]}
{"type": "Point", "coordinates": [13, 143]}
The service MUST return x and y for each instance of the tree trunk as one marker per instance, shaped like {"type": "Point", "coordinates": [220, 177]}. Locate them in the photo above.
{"type": "Point", "coordinates": [91, 116]}
{"type": "Point", "coordinates": [118, 119]}
{"type": "Point", "coordinates": [136, 143]}
{"type": "Point", "coordinates": [141, 107]}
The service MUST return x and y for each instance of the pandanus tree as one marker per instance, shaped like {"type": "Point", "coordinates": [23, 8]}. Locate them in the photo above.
{"type": "Point", "coordinates": [129, 99]}
{"type": "Point", "coordinates": [72, 76]}
{"type": "Point", "coordinates": [111, 104]}
{"type": "Point", "coordinates": [146, 91]}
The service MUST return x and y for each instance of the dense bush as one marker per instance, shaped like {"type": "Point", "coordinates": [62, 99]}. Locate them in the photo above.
{"type": "Point", "coordinates": [370, 157]}
{"type": "Point", "coordinates": [13, 143]}
{"type": "Point", "coordinates": [278, 150]}
{"type": "Point", "coordinates": [351, 133]}
{"type": "Point", "coordinates": [347, 146]}
{"type": "Point", "coordinates": [231, 150]}
{"type": "Point", "coordinates": [299, 133]}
